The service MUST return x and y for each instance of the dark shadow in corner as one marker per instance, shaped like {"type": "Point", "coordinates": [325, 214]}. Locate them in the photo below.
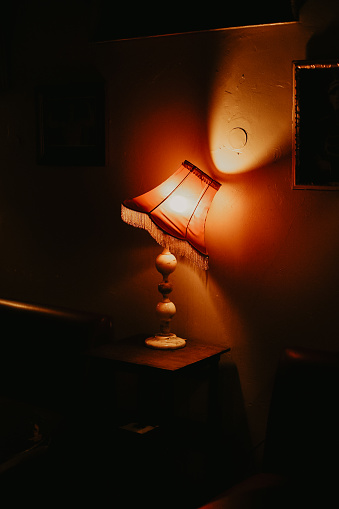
{"type": "Point", "coordinates": [236, 454]}
{"type": "Point", "coordinates": [324, 44]}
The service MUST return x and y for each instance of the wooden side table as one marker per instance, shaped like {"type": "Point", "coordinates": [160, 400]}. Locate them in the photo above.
{"type": "Point", "coordinates": [178, 458]}
{"type": "Point", "coordinates": [158, 369]}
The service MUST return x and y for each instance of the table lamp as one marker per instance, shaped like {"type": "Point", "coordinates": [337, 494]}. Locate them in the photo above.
{"type": "Point", "coordinates": [174, 213]}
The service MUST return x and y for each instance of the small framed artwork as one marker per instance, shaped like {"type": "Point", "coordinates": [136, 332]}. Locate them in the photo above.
{"type": "Point", "coordinates": [316, 125]}
{"type": "Point", "coordinates": [71, 125]}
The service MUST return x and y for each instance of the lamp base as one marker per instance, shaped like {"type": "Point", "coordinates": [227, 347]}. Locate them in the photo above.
{"type": "Point", "coordinates": [165, 342]}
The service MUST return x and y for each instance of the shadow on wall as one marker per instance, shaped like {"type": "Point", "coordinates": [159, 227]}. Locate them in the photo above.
{"type": "Point", "coordinates": [275, 251]}
{"type": "Point", "coordinates": [235, 448]}
{"type": "Point", "coordinates": [324, 43]}
{"type": "Point", "coordinates": [160, 118]}
{"type": "Point", "coordinates": [273, 259]}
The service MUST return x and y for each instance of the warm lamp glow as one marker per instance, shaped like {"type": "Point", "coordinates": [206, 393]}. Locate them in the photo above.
{"type": "Point", "coordinates": [174, 213]}
{"type": "Point", "coordinates": [249, 124]}
{"type": "Point", "coordinates": [178, 204]}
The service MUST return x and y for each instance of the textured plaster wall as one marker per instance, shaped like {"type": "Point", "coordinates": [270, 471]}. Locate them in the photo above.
{"type": "Point", "coordinates": [223, 100]}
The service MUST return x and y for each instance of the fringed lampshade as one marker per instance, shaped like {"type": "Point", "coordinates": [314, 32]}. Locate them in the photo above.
{"type": "Point", "coordinates": [174, 213]}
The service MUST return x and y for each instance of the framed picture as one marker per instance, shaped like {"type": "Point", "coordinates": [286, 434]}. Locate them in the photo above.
{"type": "Point", "coordinates": [71, 125]}
{"type": "Point", "coordinates": [316, 125]}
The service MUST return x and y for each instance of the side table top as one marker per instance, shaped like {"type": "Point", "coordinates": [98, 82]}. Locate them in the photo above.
{"type": "Point", "coordinates": [132, 351]}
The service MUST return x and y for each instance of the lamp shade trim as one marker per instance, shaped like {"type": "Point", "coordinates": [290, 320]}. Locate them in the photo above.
{"type": "Point", "coordinates": [176, 246]}
{"type": "Point", "coordinates": [200, 174]}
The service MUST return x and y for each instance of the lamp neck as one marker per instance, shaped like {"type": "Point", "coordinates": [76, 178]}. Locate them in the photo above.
{"type": "Point", "coordinates": [165, 263]}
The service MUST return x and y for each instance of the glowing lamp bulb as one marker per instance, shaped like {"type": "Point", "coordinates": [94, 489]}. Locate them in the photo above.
{"type": "Point", "coordinates": [178, 204]}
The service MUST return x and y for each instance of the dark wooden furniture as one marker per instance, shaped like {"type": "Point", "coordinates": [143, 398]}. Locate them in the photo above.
{"type": "Point", "coordinates": [133, 352]}
{"type": "Point", "coordinates": [158, 369]}
{"type": "Point", "coordinates": [300, 464]}
{"type": "Point", "coordinates": [42, 392]}
{"type": "Point", "coordinates": [171, 464]}
{"type": "Point", "coordinates": [41, 351]}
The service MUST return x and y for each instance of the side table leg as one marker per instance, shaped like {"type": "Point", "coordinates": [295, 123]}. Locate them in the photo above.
{"type": "Point", "coordinates": [214, 410]}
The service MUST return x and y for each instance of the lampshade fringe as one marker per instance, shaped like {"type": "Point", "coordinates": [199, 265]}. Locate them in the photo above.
{"type": "Point", "coordinates": [176, 246]}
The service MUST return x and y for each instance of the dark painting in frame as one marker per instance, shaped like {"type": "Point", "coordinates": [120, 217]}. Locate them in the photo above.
{"type": "Point", "coordinates": [316, 125]}
{"type": "Point", "coordinates": [71, 125]}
